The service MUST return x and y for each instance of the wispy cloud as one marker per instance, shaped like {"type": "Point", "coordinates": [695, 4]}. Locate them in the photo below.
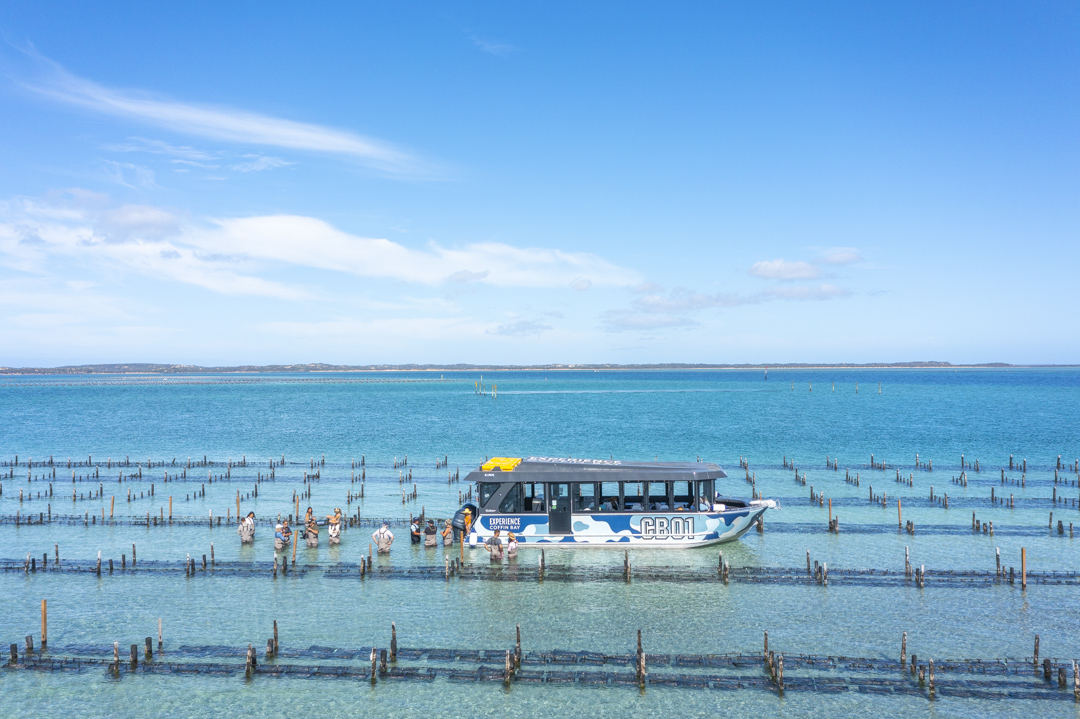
{"type": "Point", "coordinates": [130, 175]}
{"type": "Point", "coordinates": [521, 327]}
{"type": "Point", "coordinates": [840, 256]}
{"type": "Point", "coordinates": [217, 123]}
{"type": "Point", "coordinates": [819, 292]}
{"type": "Point", "coordinates": [657, 310]}
{"type": "Point", "coordinates": [784, 270]}
{"type": "Point", "coordinates": [258, 163]}
{"type": "Point", "coordinates": [629, 320]}
{"type": "Point", "coordinates": [493, 48]}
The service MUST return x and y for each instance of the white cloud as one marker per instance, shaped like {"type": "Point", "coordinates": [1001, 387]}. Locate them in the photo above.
{"type": "Point", "coordinates": [784, 270]}
{"type": "Point", "coordinates": [228, 255]}
{"type": "Point", "coordinates": [311, 242]}
{"type": "Point", "coordinates": [218, 123]}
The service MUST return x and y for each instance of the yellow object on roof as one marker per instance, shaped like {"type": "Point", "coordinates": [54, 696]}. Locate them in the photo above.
{"type": "Point", "coordinates": [506, 464]}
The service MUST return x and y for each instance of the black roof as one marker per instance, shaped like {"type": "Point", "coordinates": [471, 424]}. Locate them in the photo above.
{"type": "Point", "coordinates": [567, 469]}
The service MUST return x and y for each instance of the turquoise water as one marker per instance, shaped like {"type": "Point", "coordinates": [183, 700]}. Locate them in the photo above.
{"type": "Point", "coordinates": [717, 416]}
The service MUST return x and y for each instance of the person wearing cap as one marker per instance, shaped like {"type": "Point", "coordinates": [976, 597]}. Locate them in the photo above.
{"type": "Point", "coordinates": [511, 545]}
{"type": "Point", "coordinates": [431, 534]}
{"type": "Point", "coordinates": [286, 532]}
{"type": "Point", "coordinates": [311, 531]}
{"type": "Point", "coordinates": [383, 538]}
{"type": "Point", "coordinates": [448, 534]}
{"type": "Point", "coordinates": [333, 528]}
{"type": "Point", "coordinates": [279, 537]}
{"type": "Point", "coordinates": [414, 532]}
{"type": "Point", "coordinates": [246, 530]}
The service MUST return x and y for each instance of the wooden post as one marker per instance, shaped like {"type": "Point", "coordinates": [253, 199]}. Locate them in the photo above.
{"type": "Point", "coordinates": [899, 515]}
{"type": "Point", "coordinates": [1036, 656]}
{"type": "Point", "coordinates": [275, 638]}
{"type": "Point", "coordinates": [238, 505]}
{"type": "Point", "coordinates": [903, 650]}
{"type": "Point", "coordinates": [44, 625]}
{"type": "Point", "coordinates": [931, 663]}
{"type": "Point", "coordinates": [517, 649]}
{"type": "Point", "coordinates": [1023, 568]}
{"type": "Point", "coordinates": [159, 634]}
{"type": "Point", "coordinates": [149, 653]}
{"type": "Point", "coordinates": [393, 642]}
{"type": "Point", "coordinates": [112, 505]}
{"type": "Point", "coordinates": [170, 509]}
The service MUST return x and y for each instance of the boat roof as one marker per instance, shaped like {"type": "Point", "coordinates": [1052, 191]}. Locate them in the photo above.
{"type": "Point", "coordinates": [570, 469]}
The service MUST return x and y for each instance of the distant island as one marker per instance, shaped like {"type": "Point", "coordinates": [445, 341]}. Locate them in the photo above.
{"type": "Point", "coordinates": [151, 368]}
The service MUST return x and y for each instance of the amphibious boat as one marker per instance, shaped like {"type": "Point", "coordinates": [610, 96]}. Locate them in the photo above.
{"type": "Point", "coordinates": [601, 502]}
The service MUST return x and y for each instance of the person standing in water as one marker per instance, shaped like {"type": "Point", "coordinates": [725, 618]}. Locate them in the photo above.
{"type": "Point", "coordinates": [333, 528]}
{"type": "Point", "coordinates": [448, 534]}
{"type": "Point", "coordinates": [494, 547]}
{"type": "Point", "coordinates": [246, 530]}
{"type": "Point", "coordinates": [431, 534]}
{"type": "Point", "coordinates": [383, 538]}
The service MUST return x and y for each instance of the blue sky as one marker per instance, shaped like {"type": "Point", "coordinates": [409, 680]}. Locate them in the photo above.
{"type": "Point", "coordinates": [539, 182]}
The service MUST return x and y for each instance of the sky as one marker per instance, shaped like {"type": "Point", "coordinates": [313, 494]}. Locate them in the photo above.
{"type": "Point", "coordinates": [529, 183]}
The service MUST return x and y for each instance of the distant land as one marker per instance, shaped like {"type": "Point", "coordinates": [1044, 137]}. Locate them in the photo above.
{"type": "Point", "coordinates": [150, 368]}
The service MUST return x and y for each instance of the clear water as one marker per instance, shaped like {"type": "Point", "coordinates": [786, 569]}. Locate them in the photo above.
{"type": "Point", "coordinates": [718, 416]}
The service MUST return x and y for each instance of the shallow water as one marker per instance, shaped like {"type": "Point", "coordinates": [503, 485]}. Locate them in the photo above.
{"type": "Point", "coordinates": [718, 416]}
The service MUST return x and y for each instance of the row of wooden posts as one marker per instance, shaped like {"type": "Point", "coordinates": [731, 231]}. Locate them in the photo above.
{"type": "Point", "coordinates": [381, 658]}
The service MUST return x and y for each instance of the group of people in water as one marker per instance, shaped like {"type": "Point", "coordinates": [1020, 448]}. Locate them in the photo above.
{"type": "Point", "coordinates": [283, 533]}
{"type": "Point", "coordinates": [420, 532]}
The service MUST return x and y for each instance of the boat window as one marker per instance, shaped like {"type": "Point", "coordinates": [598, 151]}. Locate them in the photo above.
{"type": "Point", "coordinates": [584, 497]}
{"type": "Point", "coordinates": [704, 495]}
{"type": "Point", "coordinates": [511, 503]}
{"type": "Point", "coordinates": [486, 490]}
{"type": "Point", "coordinates": [632, 496]}
{"type": "Point", "coordinates": [534, 498]}
{"type": "Point", "coordinates": [658, 496]}
{"type": "Point", "coordinates": [683, 495]}
{"type": "Point", "coordinates": [609, 497]}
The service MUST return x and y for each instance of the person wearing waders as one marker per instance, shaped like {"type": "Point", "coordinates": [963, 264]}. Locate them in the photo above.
{"type": "Point", "coordinates": [286, 532]}
{"type": "Point", "coordinates": [333, 526]}
{"type": "Point", "coordinates": [383, 538]}
{"type": "Point", "coordinates": [431, 534]}
{"type": "Point", "coordinates": [448, 534]}
{"type": "Point", "coordinates": [511, 546]}
{"type": "Point", "coordinates": [246, 530]}
{"type": "Point", "coordinates": [414, 532]}
{"type": "Point", "coordinates": [494, 547]}
{"type": "Point", "coordinates": [279, 538]}
{"type": "Point", "coordinates": [312, 533]}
